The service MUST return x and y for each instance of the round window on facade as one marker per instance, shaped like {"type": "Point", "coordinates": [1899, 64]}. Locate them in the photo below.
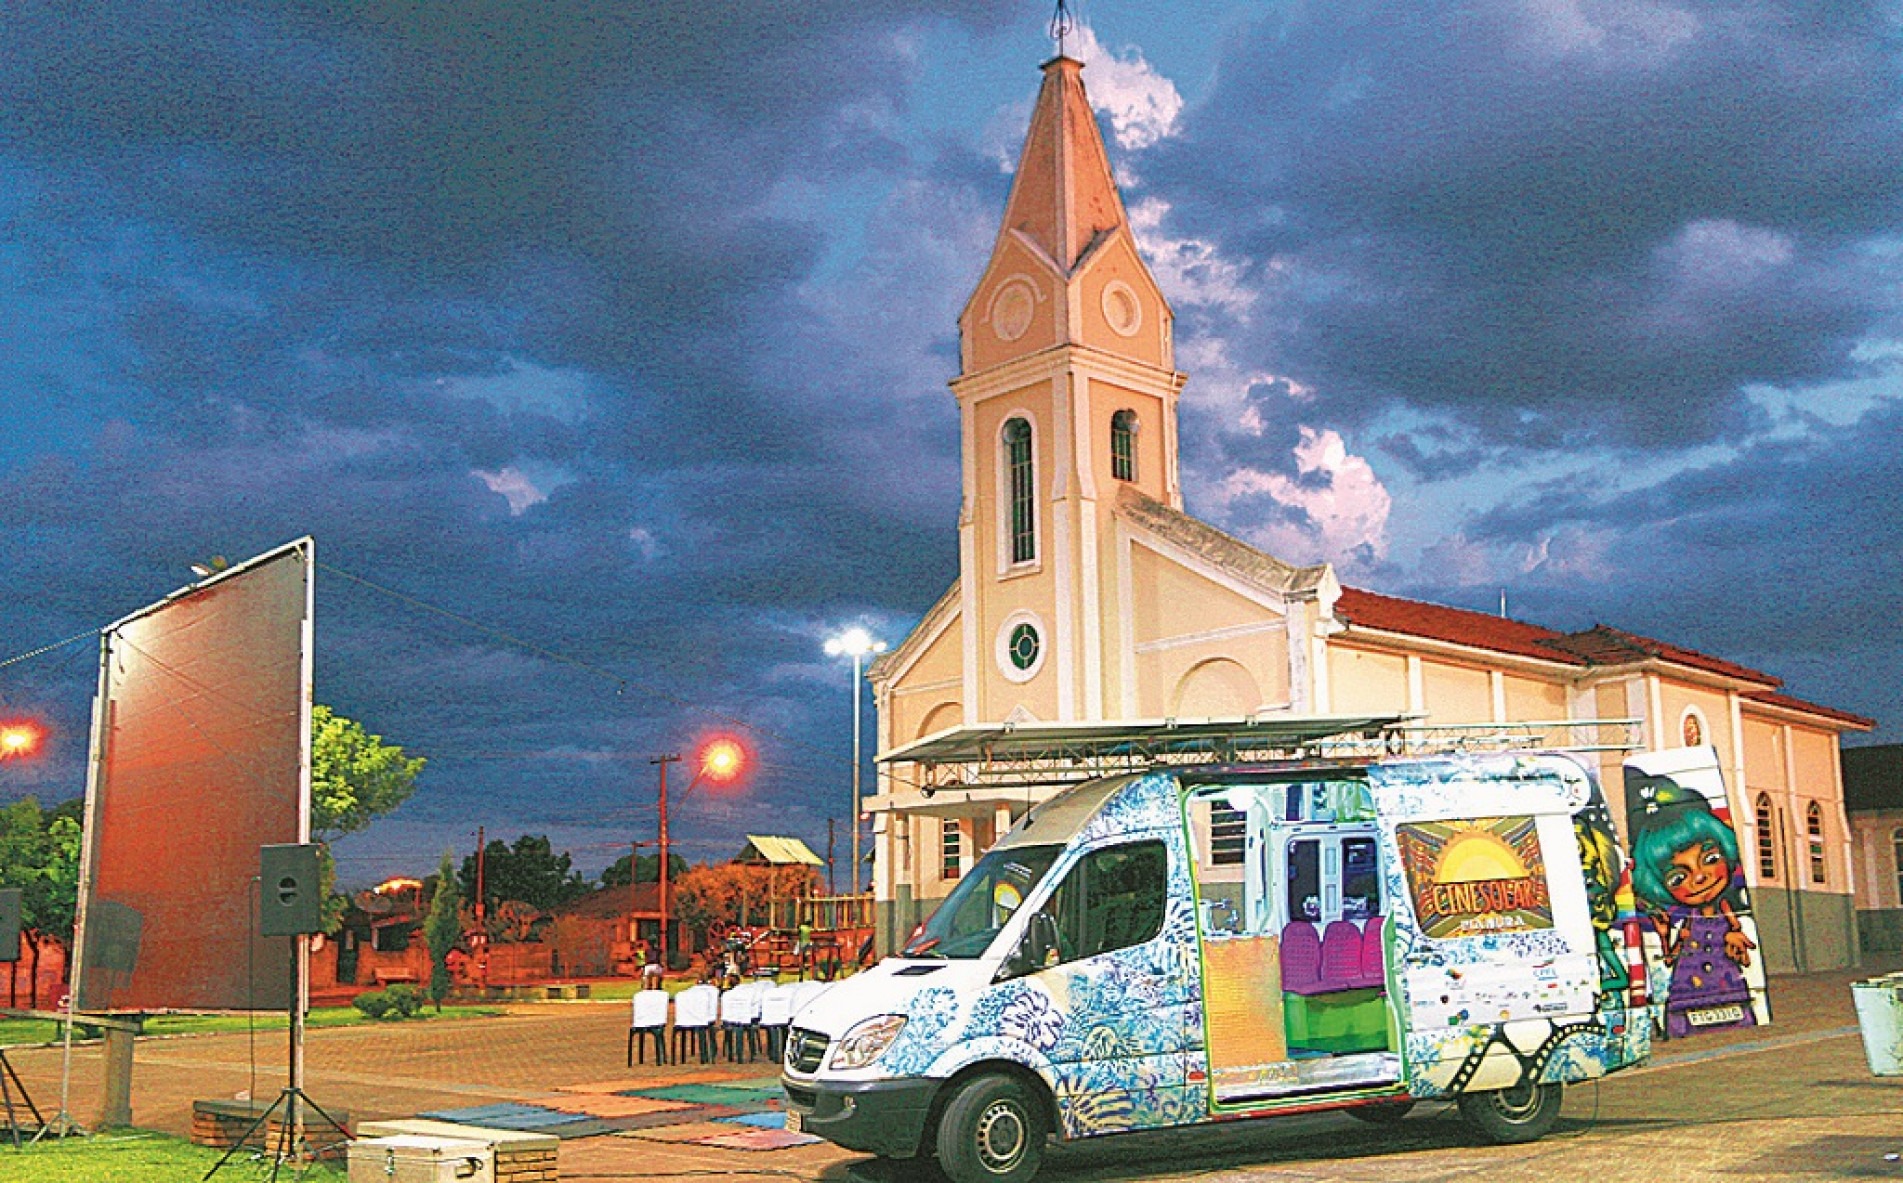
{"type": "Point", "coordinates": [1020, 646]}
{"type": "Point", "coordinates": [1023, 646]}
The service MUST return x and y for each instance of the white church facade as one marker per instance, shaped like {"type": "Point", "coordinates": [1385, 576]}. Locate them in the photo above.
{"type": "Point", "coordinates": [1087, 595]}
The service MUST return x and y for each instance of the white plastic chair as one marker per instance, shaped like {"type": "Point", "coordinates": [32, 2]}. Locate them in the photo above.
{"type": "Point", "coordinates": [776, 1011]}
{"type": "Point", "coordinates": [739, 1015]}
{"type": "Point", "coordinates": [695, 1010]}
{"type": "Point", "coordinates": [649, 1019]}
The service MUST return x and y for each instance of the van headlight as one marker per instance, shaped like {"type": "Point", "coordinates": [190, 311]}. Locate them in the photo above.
{"type": "Point", "coordinates": [867, 1041]}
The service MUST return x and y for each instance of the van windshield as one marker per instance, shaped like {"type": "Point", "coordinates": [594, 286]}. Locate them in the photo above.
{"type": "Point", "coordinates": [973, 913]}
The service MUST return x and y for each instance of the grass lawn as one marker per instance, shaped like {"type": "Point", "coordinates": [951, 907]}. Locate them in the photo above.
{"type": "Point", "coordinates": [14, 1032]}
{"type": "Point", "coordinates": [134, 1156]}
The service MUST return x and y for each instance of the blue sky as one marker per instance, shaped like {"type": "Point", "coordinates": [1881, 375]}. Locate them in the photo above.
{"type": "Point", "coordinates": [624, 330]}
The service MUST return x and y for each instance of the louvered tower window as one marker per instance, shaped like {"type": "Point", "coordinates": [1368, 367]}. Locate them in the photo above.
{"type": "Point", "coordinates": [1123, 445]}
{"type": "Point", "coordinates": [1023, 520]}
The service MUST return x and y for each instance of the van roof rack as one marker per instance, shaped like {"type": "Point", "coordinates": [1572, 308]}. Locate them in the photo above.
{"type": "Point", "coordinates": [1020, 754]}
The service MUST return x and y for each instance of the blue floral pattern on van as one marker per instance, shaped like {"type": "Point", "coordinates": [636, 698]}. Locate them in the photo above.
{"type": "Point", "coordinates": [1118, 1037]}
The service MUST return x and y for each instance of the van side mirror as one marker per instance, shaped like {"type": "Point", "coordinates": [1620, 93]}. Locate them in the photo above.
{"type": "Point", "coordinates": [1037, 948]}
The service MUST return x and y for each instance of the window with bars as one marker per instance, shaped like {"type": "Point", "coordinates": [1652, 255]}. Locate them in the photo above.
{"type": "Point", "coordinates": [1814, 832]}
{"type": "Point", "coordinates": [951, 858]}
{"type": "Point", "coordinates": [1767, 839]}
{"type": "Point", "coordinates": [1123, 445]}
{"type": "Point", "coordinates": [1228, 835]}
{"type": "Point", "coordinates": [1023, 493]}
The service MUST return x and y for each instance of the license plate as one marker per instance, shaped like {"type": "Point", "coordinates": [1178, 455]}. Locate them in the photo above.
{"type": "Point", "coordinates": [792, 1122]}
{"type": "Point", "coordinates": [1713, 1016]}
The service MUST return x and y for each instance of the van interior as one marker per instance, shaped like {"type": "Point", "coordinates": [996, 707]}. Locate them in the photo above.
{"type": "Point", "coordinates": [1294, 938]}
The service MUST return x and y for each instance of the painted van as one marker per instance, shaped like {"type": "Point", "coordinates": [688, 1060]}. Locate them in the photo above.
{"type": "Point", "coordinates": [1193, 945]}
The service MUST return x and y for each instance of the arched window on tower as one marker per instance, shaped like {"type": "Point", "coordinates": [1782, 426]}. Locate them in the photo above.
{"type": "Point", "coordinates": [1123, 445]}
{"type": "Point", "coordinates": [1814, 831]}
{"type": "Point", "coordinates": [1767, 841]}
{"type": "Point", "coordinates": [1022, 520]}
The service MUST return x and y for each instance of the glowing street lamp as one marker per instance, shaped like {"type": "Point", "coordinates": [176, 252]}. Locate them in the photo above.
{"type": "Point", "coordinates": [721, 759]}
{"type": "Point", "coordinates": [19, 739]}
{"type": "Point", "coordinates": [855, 643]}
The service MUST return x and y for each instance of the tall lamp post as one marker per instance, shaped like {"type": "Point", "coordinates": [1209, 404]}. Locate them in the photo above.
{"type": "Point", "coordinates": [855, 643]}
{"type": "Point", "coordinates": [720, 760]}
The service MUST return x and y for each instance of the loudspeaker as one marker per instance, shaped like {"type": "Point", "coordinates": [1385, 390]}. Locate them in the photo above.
{"type": "Point", "coordinates": [9, 924]}
{"type": "Point", "coordinates": [290, 903]}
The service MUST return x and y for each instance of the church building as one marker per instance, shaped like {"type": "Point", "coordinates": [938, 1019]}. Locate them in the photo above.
{"type": "Point", "coordinates": [1087, 595]}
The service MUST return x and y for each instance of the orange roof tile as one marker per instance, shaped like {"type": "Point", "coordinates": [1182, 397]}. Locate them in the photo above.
{"type": "Point", "coordinates": [1454, 625]}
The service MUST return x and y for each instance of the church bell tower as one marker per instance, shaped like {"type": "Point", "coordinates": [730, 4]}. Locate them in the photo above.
{"type": "Point", "coordinates": [1067, 401]}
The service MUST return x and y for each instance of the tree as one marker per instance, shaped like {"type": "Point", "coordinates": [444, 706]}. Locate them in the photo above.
{"type": "Point", "coordinates": [736, 893]}
{"type": "Point", "coordinates": [648, 868]}
{"type": "Point", "coordinates": [355, 776]}
{"type": "Point", "coordinates": [39, 854]}
{"type": "Point", "coordinates": [529, 872]}
{"type": "Point", "coordinates": [355, 779]}
{"type": "Point", "coordinates": [442, 929]}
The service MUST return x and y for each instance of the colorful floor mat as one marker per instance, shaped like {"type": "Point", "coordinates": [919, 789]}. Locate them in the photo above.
{"type": "Point", "coordinates": [614, 1106]}
{"type": "Point", "coordinates": [692, 1131]}
{"type": "Point", "coordinates": [506, 1116]}
{"type": "Point", "coordinates": [712, 1094]}
{"type": "Point", "coordinates": [764, 1121]}
{"type": "Point", "coordinates": [759, 1140]}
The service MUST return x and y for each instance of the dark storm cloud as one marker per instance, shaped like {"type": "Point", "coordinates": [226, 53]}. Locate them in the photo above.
{"type": "Point", "coordinates": [346, 266]}
{"type": "Point", "coordinates": [1787, 557]}
{"type": "Point", "coordinates": [1555, 224]}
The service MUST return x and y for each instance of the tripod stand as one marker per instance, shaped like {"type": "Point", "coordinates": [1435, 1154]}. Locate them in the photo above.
{"type": "Point", "coordinates": [290, 1141]}
{"type": "Point", "coordinates": [10, 1082]}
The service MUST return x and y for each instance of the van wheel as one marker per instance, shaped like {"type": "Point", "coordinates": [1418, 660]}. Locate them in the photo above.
{"type": "Point", "coordinates": [1384, 1113]}
{"type": "Point", "coordinates": [1522, 1113]}
{"type": "Point", "coordinates": [991, 1132]}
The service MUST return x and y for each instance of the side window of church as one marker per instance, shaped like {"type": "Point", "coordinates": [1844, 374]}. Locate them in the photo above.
{"type": "Point", "coordinates": [1767, 841]}
{"type": "Point", "coordinates": [1111, 900]}
{"type": "Point", "coordinates": [1814, 830]}
{"type": "Point", "coordinates": [1023, 523]}
{"type": "Point", "coordinates": [1123, 445]}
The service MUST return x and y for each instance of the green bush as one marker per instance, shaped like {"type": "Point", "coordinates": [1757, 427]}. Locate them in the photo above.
{"type": "Point", "coordinates": [405, 999]}
{"type": "Point", "coordinates": [375, 1004]}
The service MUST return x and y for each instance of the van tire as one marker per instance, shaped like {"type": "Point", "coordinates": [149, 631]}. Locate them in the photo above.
{"type": "Point", "coordinates": [992, 1131]}
{"type": "Point", "coordinates": [1508, 1116]}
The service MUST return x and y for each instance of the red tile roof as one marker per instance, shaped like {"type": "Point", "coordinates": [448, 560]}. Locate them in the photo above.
{"type": "Point", "coordinates": [1455, 625]}
{"type": "Point", "coordinates": [1789, 703]}
{"type": "Point", "coordinates": [1604, 645]}
{"type": "Point", "coordinates": [611, 902]}
{"type": "Point", "coordinates": [1600, 645]}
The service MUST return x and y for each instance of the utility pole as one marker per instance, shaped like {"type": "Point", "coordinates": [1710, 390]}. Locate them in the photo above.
{"type": "Point", "coordinates": [666, 913]}
{"type": "Point", "coordinates": [832, 888]}
{"type": "Point", "coordinates": [482, 912]}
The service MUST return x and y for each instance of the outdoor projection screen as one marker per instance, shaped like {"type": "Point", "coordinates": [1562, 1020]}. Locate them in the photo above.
{"type": "Point", "coordinates": [200, 756]}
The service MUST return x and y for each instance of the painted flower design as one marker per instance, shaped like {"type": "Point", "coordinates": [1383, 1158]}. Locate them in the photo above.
{"type": "Point", "coordinates": [1031, 1017]}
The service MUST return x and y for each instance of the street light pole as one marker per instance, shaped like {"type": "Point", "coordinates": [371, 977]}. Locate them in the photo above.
{"type": "Point", "coordinates": [855, 643]}
{"type": "Point", "coordinates": [722, 760]}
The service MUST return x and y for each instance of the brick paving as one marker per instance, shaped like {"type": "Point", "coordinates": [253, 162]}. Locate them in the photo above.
{"type": "Point", "coordinates": [1790, 1101]}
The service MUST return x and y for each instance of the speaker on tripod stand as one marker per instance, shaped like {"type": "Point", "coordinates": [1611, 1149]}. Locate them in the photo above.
{"type": "Point", "coordinates": [290, 904]}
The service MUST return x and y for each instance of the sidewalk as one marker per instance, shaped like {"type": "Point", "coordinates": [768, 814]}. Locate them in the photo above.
{"type": "Point", "coordinates": [549, 1054]}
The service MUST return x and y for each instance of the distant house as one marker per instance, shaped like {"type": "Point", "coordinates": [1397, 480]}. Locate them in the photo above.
{"type": "Point", "coordinates": [629, 916]}
{"type": "Point", "coordinates": [1873, 794]}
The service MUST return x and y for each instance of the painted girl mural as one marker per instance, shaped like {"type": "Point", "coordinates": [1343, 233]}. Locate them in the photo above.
{"type": "Point", "coordinates": [1687, 879]}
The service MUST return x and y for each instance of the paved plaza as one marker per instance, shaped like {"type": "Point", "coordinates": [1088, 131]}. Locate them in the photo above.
{"type": "Point", "coordinates": [1793, 1101]}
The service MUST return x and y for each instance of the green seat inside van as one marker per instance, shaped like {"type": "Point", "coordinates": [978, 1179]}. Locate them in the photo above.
{"type": "Point", "coordinates": [1338, 1022]}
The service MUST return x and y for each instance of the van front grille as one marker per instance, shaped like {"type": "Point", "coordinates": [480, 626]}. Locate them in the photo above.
{"type": "Point", "coordinates": [804, 1050]}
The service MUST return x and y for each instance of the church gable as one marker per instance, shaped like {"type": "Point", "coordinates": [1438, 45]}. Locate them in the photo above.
{"type": "Point", "coordinates": [1119, 308]}
{"type": "Point", "coordinates": [1017, 309]}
